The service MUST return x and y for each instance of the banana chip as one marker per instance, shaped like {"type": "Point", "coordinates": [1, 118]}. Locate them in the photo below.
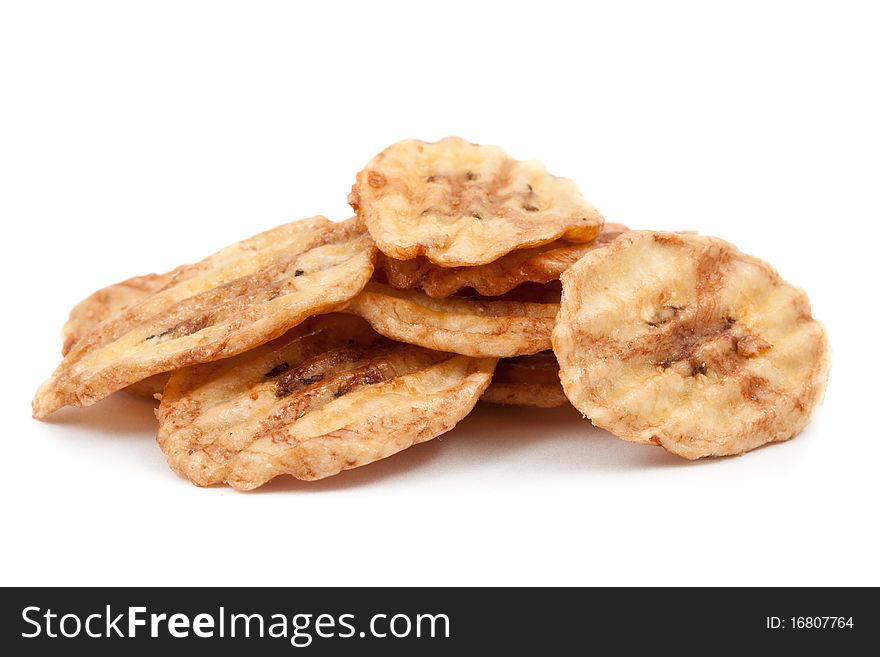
{"type": "Point", "coordinates": [105, 303]}
{"type": "Point", "coordinates": [468, 326]}
{"type": "Point", "coordinates": [237, 299]}
{"type": "Point", "coordinates": [459, 203]}
{"type": "Point", "coordinates": [685, 342]}
{"type": "Point", "coordinates": [527, 381]}
{"type": "Point", "coordinates": [329, 395]}
{"type": "Point", "coordinates": [540, 264]}
{"type": "Point", "coordinates": [98, 307]}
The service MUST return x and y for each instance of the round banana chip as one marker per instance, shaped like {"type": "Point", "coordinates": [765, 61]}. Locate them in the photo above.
{"type": "Point", "coordinates": [459, 203]}
{"type": "Point", "coordinates": [108, 301]}
{"type": "Point", "coordinates": [527, 381]}
{"type": "Point", "coordinates": [540, 264]}
{"type": "Point", "coordinates": [469, 326]}
{"type": "Point", "coordinates": [240, 298]}
{"type": "Point", "coordinates": [329, 395]}
{"type": "Point", "coordinates": [685, 342]}
{"type": "Point", "coordinates": [232, 262]}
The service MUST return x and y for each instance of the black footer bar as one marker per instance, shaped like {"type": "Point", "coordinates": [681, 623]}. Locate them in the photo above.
{"type": "Point", "coordinates": [434, 621]}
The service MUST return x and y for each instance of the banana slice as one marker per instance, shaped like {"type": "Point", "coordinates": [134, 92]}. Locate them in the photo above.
{"type": "Point", "coordinates": [108, 301]}
{"type": "Point", "coordinates": [469, 326]}
{"type": "Point", "coordinates": [540, 264]}
{"type": "Point", "coordinates": [327, 396]}
{"type": "Point", "coordinates": [244, 296]}
{"type": "Point", "coordinates": [459, 203]}
{"type": "Point", "coordinates": [685, 342]}
{"type": "Point", "coordinates": [527, 381]}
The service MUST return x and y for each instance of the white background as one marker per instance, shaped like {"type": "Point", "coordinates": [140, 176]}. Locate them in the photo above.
{"type": "Point", "coordinates": [138, 136]}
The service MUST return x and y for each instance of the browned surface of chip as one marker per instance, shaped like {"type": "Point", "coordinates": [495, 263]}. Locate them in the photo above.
{"type": "Point", "coordinates": [540, 264]}
{"type": "Point", "coordinates": [469, 326]}
{"type": "Point", "coordinates": [685, 342]}
{"type": "Point", "coordinates": [458, 203]}
{"type": "Point", "coordinates": [108, 301]}
{"type": "Point", "coordinates": [527, 381]}
{"type": "Point", "coordinates": [105, 303]}
{"type": "Point", "coordinates": [327, 396]}
{"type": "Point", "coordinates": [245, 295]}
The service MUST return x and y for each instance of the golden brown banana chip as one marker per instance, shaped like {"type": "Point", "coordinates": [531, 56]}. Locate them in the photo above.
{"type": "Point", "coordinates": [106, 302]}
{"type": "Point", "coordinates": [540, 264]}
{"type": "Point", "coordinates": [527, 381]}
{"type": "Point", "coordinates": [685, 342]}
{"type": "Point", "coordinates": [469, 326]}
{"type": "Point", "coordinates": [234, 261]}
{"type": "Point", "coordinates": [242, 297]}
{"type": "Point", "coordinates": [329, 395]}
{"type": "Point", "coordinates": [459, 203]}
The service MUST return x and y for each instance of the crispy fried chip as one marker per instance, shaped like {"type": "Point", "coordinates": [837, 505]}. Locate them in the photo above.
{"type": "Point", "coordinates": [469, 326]}
{"type": "Point", "coordinates": [685, 342]}
{"type": "Point", "coordinates": [459, 203]}
{"type": "Point", "coordinates": [105, 303]}
{"type": "Point", "coordinates": [527, 381]}
{"type": "Point", "coordinates": [540, 264]}
{"type": "Point", "coordinates": [329, 395]}
{"type": "Point", "coordinates": [108, 301]}
{"type": "Point", "coordinates": [242, 297]}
